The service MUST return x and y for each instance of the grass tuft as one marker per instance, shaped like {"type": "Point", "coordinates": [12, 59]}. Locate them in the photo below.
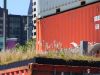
{"type": "Point", "coordinates": [28, 51]}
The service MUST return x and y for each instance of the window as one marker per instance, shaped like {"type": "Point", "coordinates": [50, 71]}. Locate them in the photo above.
{"type": "Point", "coordinates": [34, 21]}
{"type": "Point", "coordinates": [34, 15]}
{"type": "Point", "coordinates": [34, 9]}
{"type": "Point", "coordinates": [34, 33]}
{"type": "Point", "coordinates": [1, 32]}
{"type": "Point", "coordinates": [34, 3]}
{"type": "Point", "coordinates": [83, 3]}
{"type": "Point", "coordinates": [1, 13]}
{"type": "Point", "coordinates": [58, 10]}
{"type": "Point", "coordinates": [34, 27]}
{"type": "Point", "coordinates": [1, 27]}
{"type": "Point", "coordinates": [1, 43]}
{"type": "Point", "coordinates": [1, 21]}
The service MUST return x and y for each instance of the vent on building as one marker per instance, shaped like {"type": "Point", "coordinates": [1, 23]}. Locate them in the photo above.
{"type": "Point", "coordinates": [83, 3]}
{"type": "Point", "coordinates": [58, 10]}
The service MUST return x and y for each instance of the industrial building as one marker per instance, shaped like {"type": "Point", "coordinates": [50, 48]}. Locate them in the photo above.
{"type": "Point", "coordinates": [64, 28]}
{"type": "Point", "coordinates": [16, 27]}
{"type": "Point", "coordinates": [42, 8]}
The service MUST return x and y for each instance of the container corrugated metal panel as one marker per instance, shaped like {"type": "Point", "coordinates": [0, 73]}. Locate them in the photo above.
{"type": "Point", "coordinates": [54, 66]}
{"type": "Point", "coordinates": [15, 71]}
{"type": "Point", "coordinates": [47, 69]}
{"type": "Point", "coordinates": [48, 7]}
{"type": "Point", "coordinates": [43, 69]}
{"type": "Point", "coordinates": [71, 26]}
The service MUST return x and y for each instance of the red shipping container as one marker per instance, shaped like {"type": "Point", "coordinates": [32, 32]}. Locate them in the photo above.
{"type": "Point", "coordinates": [47, 69]}
{"type": "Point", "coordinates": [60, 30]}
{"type": "Point", "coordinates": [52, 66]}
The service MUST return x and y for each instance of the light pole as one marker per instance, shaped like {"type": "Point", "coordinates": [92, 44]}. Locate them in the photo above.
{"type": "Point", "coordinates": [4, 26]}
{"type": "Point", "coordinates": [27, 27]}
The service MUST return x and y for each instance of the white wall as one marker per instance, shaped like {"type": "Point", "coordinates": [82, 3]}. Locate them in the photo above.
{"type": "Point", "coordinates": [48, 7]}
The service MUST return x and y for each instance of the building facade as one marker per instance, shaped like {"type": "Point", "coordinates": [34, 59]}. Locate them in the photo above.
{"type": "Point", "coordinates": [42, 8]}
{"type": "Point", "coordinates": [16, 27]}
{"type": "Point", "coordinates": [1, 27]}
{"type": "Point", "coordinates": [24, 31]}
{"type": "Point", "coordinates": [30, 25]}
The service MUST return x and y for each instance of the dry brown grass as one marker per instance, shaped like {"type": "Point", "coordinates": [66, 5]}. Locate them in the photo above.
{"type": "Point", "coordinates": [12, 56]}
{"type": "Point", "coordinates": [28, 51]}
